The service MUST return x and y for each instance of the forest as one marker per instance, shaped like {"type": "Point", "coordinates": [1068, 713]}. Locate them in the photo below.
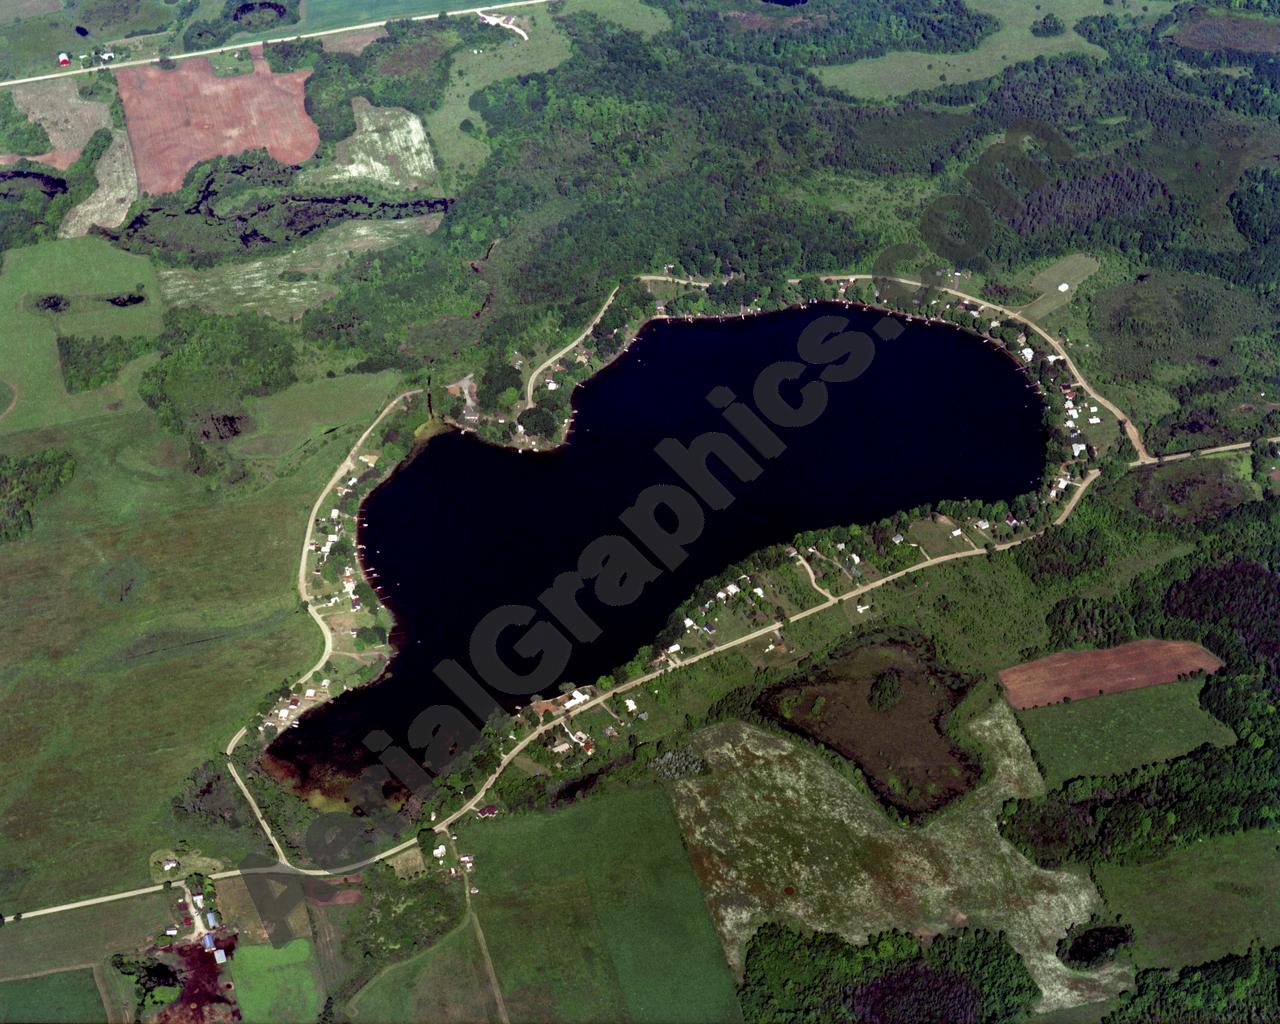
{"type": "Point", "coordinates": [27, 480]}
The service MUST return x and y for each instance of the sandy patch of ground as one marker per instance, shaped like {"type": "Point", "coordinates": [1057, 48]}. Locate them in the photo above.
{"type": "Point", "coordinates": [69, 120]}
{"type": "Point", "coordinates": [352, 42]}
{"type": "Point", "coordinates": [116, 191]}
{"type": "Point", "coordinates": [178, 118]}
{"type": "Point", "coordinates": [389, 146]}
{"type": "Point", "coordinates": [1080, 674]}
{"type": "Point", "coordinates": [774, 831]}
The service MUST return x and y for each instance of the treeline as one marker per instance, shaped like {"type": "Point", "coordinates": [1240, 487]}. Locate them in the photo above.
{"type": "Point", "coordinates": [826, 31]}
{"type": "Point", "coordinates": [27, 480]}
{"type": "Point", "coordinates": [970, 975]}
{"type": "Point", "coordinates": [18, 133]}
{"type": "Point", "coordinates": [245, 205]}
{"type": "Point", "coordinates": [240, 16]}
{"type": "Point", "coordinates": [34, 199]}
{"type": "Point", "coordinates": [1237, 987]}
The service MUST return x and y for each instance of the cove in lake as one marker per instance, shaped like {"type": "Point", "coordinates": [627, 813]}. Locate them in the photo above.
{"type": "Point", "coordinates": [467, 527]}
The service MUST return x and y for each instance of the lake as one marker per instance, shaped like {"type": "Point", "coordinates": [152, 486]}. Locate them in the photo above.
{"type": "Point", "coordinates": [467, 527]}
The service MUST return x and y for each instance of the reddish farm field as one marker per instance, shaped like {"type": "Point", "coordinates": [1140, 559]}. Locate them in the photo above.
{"type": "Point", "coordinates": [178, 118]}
{"type": "Point", "coordinates": [1080, 674]}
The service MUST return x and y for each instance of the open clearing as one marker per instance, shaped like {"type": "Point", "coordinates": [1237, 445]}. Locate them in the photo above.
{"type": "Point", "coordinates": [286, 286]}
{"type": "Point", "coordinates": [68, 119]}
{"type": "Point", "coordinates": [584, 908]}
{"type": "Point", "coordinates": [276, 986]}
{"type": "Point", "coordinates": [776, 831]}
{"type": "Point", "coordinates": [78, 937]}
{"type": "Point", "coordinates": [459, 153]}
{"type": "Point", "coordinates": [1207, 31]}
{"type": "Point", "coordinates": [178, 118]}
{"type": "Point", "coordinates": [450, 978]}
{"type": "Point", "coordinates": [896, 74]}
{"type": "Point", "coordinates": [389, 147]}
{"type": "Point", "coordinates": [1080, 674]}
{"type": "Point", "coordinates": [1201, 902]}
{"type": "Point", "coordinates": [1120, 731]}
{"type": "Point", "coordinates": [67, 997]}
{"type": "Point", "coordinates": [116, 191]}
{"type": "Point", "coordinates": [1072, 271]}
{"type": "Point", "coordinates": [28, 347]}
{"type": "Point", "coordinates": [633, 15]}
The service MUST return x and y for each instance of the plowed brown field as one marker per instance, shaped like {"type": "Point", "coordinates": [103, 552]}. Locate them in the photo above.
{"type": "Point", "coordinates": [1080, 674]}
{"type": "Point", "coordinates": [178, 118]}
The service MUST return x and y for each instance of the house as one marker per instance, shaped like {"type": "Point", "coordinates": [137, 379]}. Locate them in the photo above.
{"type": "Point", "coordinates": [309, 693]}
{"type": "Point", "coordinates": [212, 918]}
{"type": "Point", "coordinates": [576, 698]}
{"type": "Point", "coordinates": [983, 524]}
{"type": "Point", "coordinates": [689, 623]}
{"type": "Point", "coordinates": [758, 591]}
{"type": "Point", "coordinates": [1094, 421]}
{"type": "Point", "coordinates": [630, 705]}
{"type": "Point", "coordinates": [168, 864]}
{"type": "Point", "coordinates": [219, 956]}
{"type": "Point", "coordinates": [63, 60]}
{"type": "Point", "coordinates": [198, 900]}
{"type": "Point", "coordinates": [1010, 521]}
{"type": "Point", "coordinates": [334, 514]}
{"type": "Point", "coordinates": [722, 595]}
{"type": "Point", "coordinates": [731, 589]}
{"type": "Point", "coordinates": [673, 649]}
{"type": "Point", "coordinates": [438, 852]}
{"type": "Point", "coordinates": [171, 931]}
{"type": "Point", "coordinates": [957, 532]}
{"type": "Point", "coordinates": [207, 942]}
{"type": "Point", "coordinates": [1079, 449]}
{"type": "Point", "coordinates": [898, 538]}
{"type": "Point", "coordinates": [282, 714]}
{"type": "Point", "coordinates": [563, 747]}
{"type": "Point", "coordinates": [325, 683]}
{"type": "Point", "coordinates": [1027, 353]}
{"type": "Point", "coordinates": [488, 811]}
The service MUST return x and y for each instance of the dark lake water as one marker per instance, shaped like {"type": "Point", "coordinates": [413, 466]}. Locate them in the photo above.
{"type": "Point", "coordinates": [467, 527]}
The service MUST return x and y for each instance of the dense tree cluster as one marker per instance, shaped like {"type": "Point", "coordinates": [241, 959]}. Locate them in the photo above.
{"type": "Point", "coordinates": [240, 16]}
{"type": "Point", "coordinates": [27, 480]}
{"type": "Point", "coordinates": [971, 976]}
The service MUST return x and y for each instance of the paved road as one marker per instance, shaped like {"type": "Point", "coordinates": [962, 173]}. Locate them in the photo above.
{"type": "Point", "coordinates": [259, 42]}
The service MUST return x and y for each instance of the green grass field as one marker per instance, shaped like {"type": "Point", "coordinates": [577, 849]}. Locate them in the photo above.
{"type": "Point", "coordinates": [31, 45]}
{"type": "Point", "coordinates": [83, 270]}
{"type": "Point", "coordinates": [276, 986]}
{"type": "Point", "coordinates": [1071, 270]}
{"type": "Point", "coordinates": [593, 913]}
{"type": "Point", "coordinates": [896, 74]}
{"type": "Point", "coordinates": [67, 997]}
{"type": "Point", "coordinates": [633, 15]}
{"type": "Point", "coordinates": [78, 937]}
{"type": "Point", "coordinates": [448, 982]}
{"type": "Point", "coordinates": [154, 610]}
{"type": "Point", "coordinates": [1201, 902]}
{"type": "Point", "coordinates": [1121, 730]}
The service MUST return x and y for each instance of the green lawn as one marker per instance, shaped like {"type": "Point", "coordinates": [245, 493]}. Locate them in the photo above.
{"type": "Point", "coordinates": [1199, 903]}
{"type": "Point", "coordinates": [1120, 731]}
{"type": "Point", "coordinates": [31, 45]}
{"type": "Point", "coordinates": [896, 74]}
{"type": "Point", "coordinates": [593, 913]}
{"type": "Point", "coordinates": [85, 271]}
{"type": "Point", "coordinates": [66, 997]}
{"type": "Point", "coordinates": [630, 14]}
{"type": "Point", "coordinates": [276, 986]}
{"type": "Point", "coordinates": [78, 937]}
{"type": "Point", "coordinates": [448, 981]}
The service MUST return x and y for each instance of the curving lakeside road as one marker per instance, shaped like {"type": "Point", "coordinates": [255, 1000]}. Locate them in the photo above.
{"type": "Point", "coordinates": [363, 26]}
{"type": "Point", "coordinates": [553, 722]}
{"type": "Point", "coordinates": [551, 359]}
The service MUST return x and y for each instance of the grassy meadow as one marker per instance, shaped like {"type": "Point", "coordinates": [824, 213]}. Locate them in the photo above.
{"type": "Point", "coordinates": [1120, 731]}
{"type": "Point", "coordinates": [585, 909]}
{"type": "Point", "coordinates": [276, 986]}
{"type": "Point", "coordinates": [68, 997]}
{"type": "Point", "coordinates": [75, 938]}
{"type": "Point", "coordinates": [901, 72]}
{"type": "Point", "coordinates": [1199, 903]}
{"type": "Point", "coordinates": [157, 610]}
{"type": "Point", "coordinates": [448, 982]}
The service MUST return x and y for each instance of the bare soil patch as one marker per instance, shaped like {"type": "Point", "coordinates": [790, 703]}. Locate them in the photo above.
{"type": "Point", "coordinates": [1230, 32]}
{"type": "Point", "coordinates": [116, 191]}
{"type": "Point", "coordinates": [1075, 675]}
{"type": "Point", "coordinates": [178, 118]}
{"type": "Point", "coordinates": [885, 707]}
{"type": "Point", "coordinates": [352, 42]}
